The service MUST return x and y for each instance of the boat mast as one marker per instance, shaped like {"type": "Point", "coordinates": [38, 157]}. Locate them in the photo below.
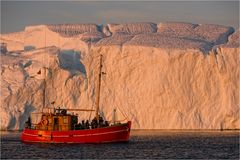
{"type": "Point", "coordinates": [99, 89]}
{"type": "Point", "coordinates": [44, 88]}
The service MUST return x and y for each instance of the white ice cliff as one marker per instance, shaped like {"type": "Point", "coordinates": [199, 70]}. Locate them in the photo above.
{"type": "Point", "coordinates": [160, 76]}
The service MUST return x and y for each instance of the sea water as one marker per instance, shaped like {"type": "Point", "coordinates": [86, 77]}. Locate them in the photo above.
{"type": "Point", "coordinates": [153, 144]}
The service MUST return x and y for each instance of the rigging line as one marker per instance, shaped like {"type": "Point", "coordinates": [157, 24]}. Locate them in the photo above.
{"type": "Point", "coordinates": [58, 40]}
{"type": "Point", "coordinates": [110, 62]}
{"type": "Point", "coordinates": [122, 66]}
{"type": "Point", "coordinates": [125, 116]}
{"type": "Point", "coordinates": [90, 114]}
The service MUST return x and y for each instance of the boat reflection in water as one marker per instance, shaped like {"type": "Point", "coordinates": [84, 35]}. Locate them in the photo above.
{"type": "Point", "coordinates": [58, 126]}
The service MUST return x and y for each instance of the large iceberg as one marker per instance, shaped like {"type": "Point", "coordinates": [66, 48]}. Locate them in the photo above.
{"type": "Point", "coordinates": [170, 75]}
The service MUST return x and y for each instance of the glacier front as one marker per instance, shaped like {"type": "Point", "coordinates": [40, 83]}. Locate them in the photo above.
{"type": "Point", "coordinates": [170, 75]}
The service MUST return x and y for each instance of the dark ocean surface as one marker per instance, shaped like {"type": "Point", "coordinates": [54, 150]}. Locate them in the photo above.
{"type": "Point", "coordinates": [143, 144]}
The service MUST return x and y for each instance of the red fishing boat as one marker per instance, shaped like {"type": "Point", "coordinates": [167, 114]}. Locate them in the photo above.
{"type": "Point", "coordinates": [59, 126]}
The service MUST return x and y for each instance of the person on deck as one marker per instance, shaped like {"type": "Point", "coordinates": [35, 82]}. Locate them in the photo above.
{"type": "Point", "coordinates": [87, 124]}
{"type": "Point", "coordinates": [28, 124]}
{"type": "Point", "coordinates": [83, 124]}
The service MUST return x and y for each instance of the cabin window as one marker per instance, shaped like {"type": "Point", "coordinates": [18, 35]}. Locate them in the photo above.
{"type": "Point", "coordinates": [56, 121]}
{"type": "Point", "coordinates": [65, 119]}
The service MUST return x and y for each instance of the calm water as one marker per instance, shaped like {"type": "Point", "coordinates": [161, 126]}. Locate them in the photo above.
{"type": "Point", "coordinates": [143, 144]}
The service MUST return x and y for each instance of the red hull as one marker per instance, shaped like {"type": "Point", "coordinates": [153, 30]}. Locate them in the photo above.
{"type": "Point", "coordinates": [117, 133]}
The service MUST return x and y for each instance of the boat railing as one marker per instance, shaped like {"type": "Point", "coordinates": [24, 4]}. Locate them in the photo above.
{"type": "Point", "coordinates": [61, 127]}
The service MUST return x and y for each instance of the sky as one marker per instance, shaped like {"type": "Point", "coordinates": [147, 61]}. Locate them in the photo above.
{"type": "Point", "coordinates": [15, 15]}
